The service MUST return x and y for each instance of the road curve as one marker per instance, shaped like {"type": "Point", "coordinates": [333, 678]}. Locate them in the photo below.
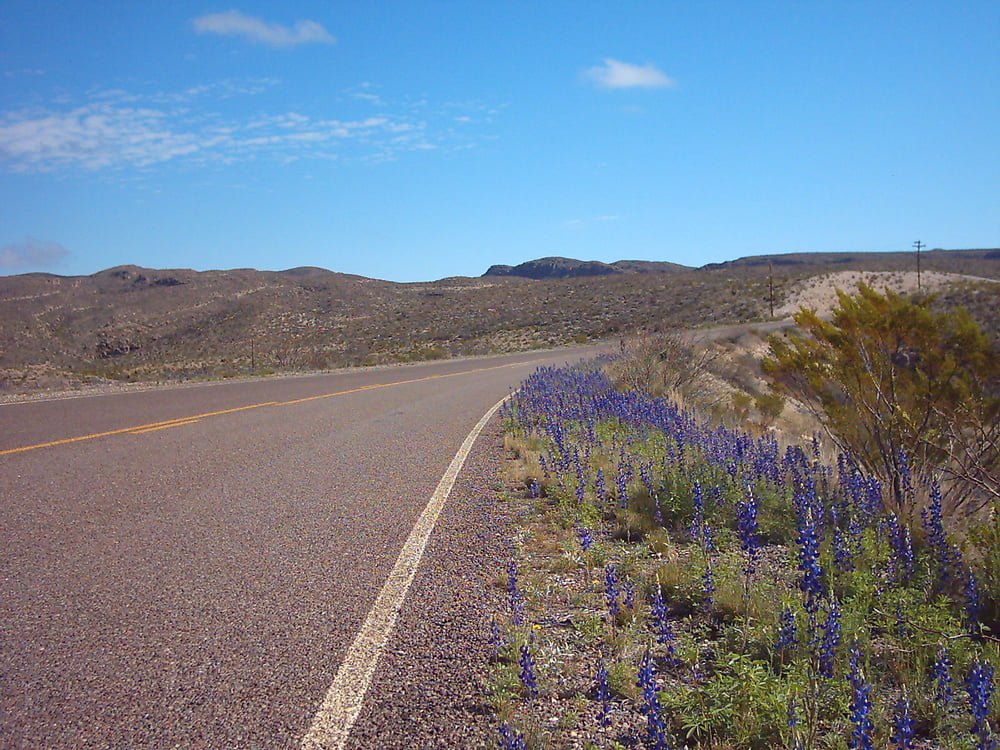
{"type": "Point", "coordinates": [186, 567]}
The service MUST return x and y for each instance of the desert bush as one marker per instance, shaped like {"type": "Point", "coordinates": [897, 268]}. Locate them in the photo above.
{"type": "Point", "coordinates": [910, 394]}
{"type": "Point", "coordinates": [664, 364]}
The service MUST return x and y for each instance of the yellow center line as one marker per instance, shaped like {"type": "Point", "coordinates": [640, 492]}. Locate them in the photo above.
{"type": "Point", "coordinates": [180, 421]}
{"type": "Point", "coordinates": [175, 423]}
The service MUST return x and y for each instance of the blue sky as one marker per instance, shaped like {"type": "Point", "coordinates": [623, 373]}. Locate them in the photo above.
{"type": "Point", "coordinates": [416, 140]}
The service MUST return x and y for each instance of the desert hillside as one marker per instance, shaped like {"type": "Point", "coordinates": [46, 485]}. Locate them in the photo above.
{"type": "Point", "coordinates": [130, 323]}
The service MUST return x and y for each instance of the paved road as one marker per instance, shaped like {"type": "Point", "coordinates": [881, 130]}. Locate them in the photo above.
{"type": "Point", "coordinates": [186, 567]}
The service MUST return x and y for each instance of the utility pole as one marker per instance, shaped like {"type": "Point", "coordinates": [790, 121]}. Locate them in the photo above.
{"type": "Point", "coordinates": [918, 244]}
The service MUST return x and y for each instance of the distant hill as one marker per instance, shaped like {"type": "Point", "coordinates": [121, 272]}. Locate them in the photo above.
{"type": "Point", "coordinates": [130, 323]}
{"type": "Point", "coordinates": [563, 268]}
{"type": "Point", "coordinates": [881, 260]}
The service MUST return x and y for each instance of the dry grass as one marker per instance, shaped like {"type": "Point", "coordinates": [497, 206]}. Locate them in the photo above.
{"type": "Point", "coordinates": [133, 324]}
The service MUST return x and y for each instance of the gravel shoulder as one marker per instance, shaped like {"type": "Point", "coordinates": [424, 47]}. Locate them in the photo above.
{"type": "Point", "coordinates": [429, 688]}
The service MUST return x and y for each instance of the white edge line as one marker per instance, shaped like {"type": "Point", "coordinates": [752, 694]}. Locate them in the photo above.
{"type": "Point", "coordinates": [333, 721]}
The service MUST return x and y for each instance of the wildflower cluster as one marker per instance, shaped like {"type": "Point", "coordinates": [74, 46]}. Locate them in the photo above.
{"type": "Point", "coordinates": [754, 566]}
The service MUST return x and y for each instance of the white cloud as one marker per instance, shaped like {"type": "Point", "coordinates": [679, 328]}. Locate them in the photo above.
{"type": "Point", "coordinates": [93, 136]}
{"type": "Point", "coordinates": [615, 74]}
{"type": "Point", "coordinates": [31, 253]}
{"type": "Point", "coordinates": [118, 129]}
{"type": "Point", "coordinates": [235, 23]}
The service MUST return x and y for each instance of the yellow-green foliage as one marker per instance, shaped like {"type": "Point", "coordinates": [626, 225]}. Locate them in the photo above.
{"type": "Point", "coordinates": [888, 376]}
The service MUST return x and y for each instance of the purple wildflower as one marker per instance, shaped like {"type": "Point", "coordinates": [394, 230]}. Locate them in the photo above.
{"type": "Point", "coordinates": [624, 474]}
{"type": "Point", "coordinates": [860, 706]}
{"type": "Point", "coordinates": [514, 594]}
{"type": "Point", "coordinates": [656, 730]}
{"type": "Point", "coordinates": [901, 561]}
{"type": "Point", "coordinates": [586, 537]}
{"type": "Point", "coordinates": [830, 640]}
{"type": "Point", "coordinates": [843, 555]}
{"type": "Point", "coordinates": [973, 602]}
{"type": "Point", "coordinates": [948, 557]}
{"type": "Point", "coordinates": [600, 485]}
{"type": "Point", "coordinates": [496, 638]}
{"type": "Point", "coordinates": [902, 726]}
{"type": "Point", "coordinates": [611, 589]}
{"type": "Point", "coordinates": [629, 598]}
{"type": "Point", "coordinates": [528, 672]}
{"type": "Point", "coordinates": [604, 696]}
{"type": "Point", "coordinates": [979, 685]}
{"type": "Point", "coordinates": [942, 677]}
{"type": "Point", "coordinates": [746, 525]}
{"type": "Point", "coordinates": [511, 739]}
{"type": "Point", "coordinates": [786, 629]}
{"type": "Point", "coordinates": [708, 586]}
{"type": "Point", "coordinates": [661, 623]}
{"type": "Point", "coordinates": [811, 583]}
{"type": "Point", "coordinates": [698, 517]}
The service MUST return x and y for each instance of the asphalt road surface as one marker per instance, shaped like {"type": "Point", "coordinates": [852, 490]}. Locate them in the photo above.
{"type": "Point", "coordinates": [187, 567]}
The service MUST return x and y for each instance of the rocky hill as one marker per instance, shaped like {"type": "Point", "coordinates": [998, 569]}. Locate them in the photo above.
{"type": "Point", "coordinates": [562, 268]}
{"type": "Point", "coordinates": [131, 323]}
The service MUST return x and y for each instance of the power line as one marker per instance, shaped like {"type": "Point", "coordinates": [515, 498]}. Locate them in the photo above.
{"type": "Point", "coordinates": [918, 244]}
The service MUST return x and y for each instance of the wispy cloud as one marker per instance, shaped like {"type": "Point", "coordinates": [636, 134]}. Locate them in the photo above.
{"type": "Point", "coordinates": [116, 129]}
{"type": "Point", "coordinates": [615, 74]}
{"type": "Point", "coordinates": [251, 28]}
{"type": "Point", "coordinates": [31, 253]}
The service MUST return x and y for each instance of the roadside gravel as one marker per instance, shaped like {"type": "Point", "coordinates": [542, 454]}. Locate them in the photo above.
{"type": "Point", "coordinates": [428, 691]}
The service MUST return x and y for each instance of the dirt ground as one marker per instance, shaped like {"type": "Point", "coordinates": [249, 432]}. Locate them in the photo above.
{"type": "Point", "coordinates": [820, 292]}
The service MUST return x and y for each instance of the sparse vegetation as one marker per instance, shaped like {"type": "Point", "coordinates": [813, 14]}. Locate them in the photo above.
{"type": "Point", "coordinates": [683, 584]}
{"type": "Point", "coordinates": [909, 394]}
{"type": "Point", "coordinates": [132, 324]}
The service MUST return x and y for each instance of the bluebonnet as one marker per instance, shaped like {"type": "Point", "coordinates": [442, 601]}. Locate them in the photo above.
{"type": "Point", "coordinates": [707, 586]}
{"type": "Point", "coordinates": [873, 497]}
{"type": "Point", "coordinates": [902, 726]}
{"type": "Point", "coordinates": [860, 706]}
{"type": "Point", "coordinates": [624, 473]}
{"type": "Point", "coordinates": [629, 599]}
{"type": "Point", "coordinates": [942, 677]}
{"type": "Point", "coordinates": [647, 478]}
{"type": "Point", "coordinates": [496, 638]}
{"type": "Point", "coordinates": [611, 589]}
{"type": "Point", "coordinates": [586, 537]}
{"type": "Point", "coordinates": [528, 678]}
{"type": "Point", "coordinates": [811, 583]}
{"type": "Point", "coordinates": [901, 561]}
{"type": "Point", "coordinates": [827, 652]}
{"type": "Point", "coordinates": [747, 526]}
{"type": "Point", "coordinates": [948, 558]}
{"type": "Point", "coordinates": [599, 484]}
{"type": "Point", "coordinates": [900, 626]}
{"type": "Point", "coordinates": [698, 516]}
{"type": "Point", "coordinates": [973, 602]}
{"type": "Point", "coordinates": [708, 539]}
{"type": "Point", "coordinates": [514, 594]}
{"type": "Point", "coordinates": [510, 739]}
{"type": "Point", "coordinates": [903, 462]}
{"type": "Point", "coordinates": [843, 555]}
{"type": "Point", "coordinates": [786, 629]}
{"type": "Point", "coordinates": [603, 695]}
{"type": "Point", "coordinates": [656, 730]}
{"type": "Point", "coordinates": [645, 474]}
{"type": "Point", "coordinates": [792, 714]}
{"type": "Point", "coordinates": [661, 623]}
{"type": "Point", "coordinates": [534, 490]}
{"type": "Point", "coordinates": [979, 686]}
